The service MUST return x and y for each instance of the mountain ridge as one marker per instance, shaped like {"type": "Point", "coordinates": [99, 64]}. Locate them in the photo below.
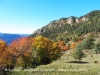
{"type": "Point", "coordinates": [61, 21]}
{"type": "Point", "coordinates": [68, 25]}
{"type": "Point", "coordinates": [10, 37]}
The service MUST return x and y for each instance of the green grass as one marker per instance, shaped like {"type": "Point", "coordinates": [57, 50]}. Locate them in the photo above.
{"type": "Point", "coordinates": [63, 66]}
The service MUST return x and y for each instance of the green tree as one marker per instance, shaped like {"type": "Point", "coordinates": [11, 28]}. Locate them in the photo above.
{"type": "Point", "coordinates": [65, 40]}
{"type": "Point", "coordinates": [97, 48]}
{"type": "Point", "coordinates": [75, 39]}
{"type": "Point", "coordinates": [88, 43]}
{"type": "Point", "coordinates": [78, 53]}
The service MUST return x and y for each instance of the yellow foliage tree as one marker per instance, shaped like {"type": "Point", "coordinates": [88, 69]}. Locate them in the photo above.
{"type": "Point", "coordinates": [46, 49]}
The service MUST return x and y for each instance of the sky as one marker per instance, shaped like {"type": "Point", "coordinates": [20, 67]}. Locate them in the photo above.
{"type": "Point", "coordinates": [26, 16]}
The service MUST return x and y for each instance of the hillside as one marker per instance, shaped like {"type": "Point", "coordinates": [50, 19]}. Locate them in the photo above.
{"type": "Point", "coordinates": [65, 66]}
{"type": "Point", "coordinates": [71, 26]}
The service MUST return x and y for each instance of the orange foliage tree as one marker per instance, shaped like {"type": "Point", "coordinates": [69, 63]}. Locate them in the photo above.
{"type": "Point", "coordinates": [22, 48]}
{"type": "Point", "coordinates": [5, 57]}
{"type": "Point", "coordinates": [65, 47]}
{"type": "Point", "coordinates": [61, 43]}
{"type": "Point", "coordinates": [72, 46]}
{"type": "Point", "coordinates": [4, 53]}
{"type": "Point", "coordinates": [79, 41]}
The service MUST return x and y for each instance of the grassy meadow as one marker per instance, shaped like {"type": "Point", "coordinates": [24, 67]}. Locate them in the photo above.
{"type": "Point", "coordinates": [66, 65]}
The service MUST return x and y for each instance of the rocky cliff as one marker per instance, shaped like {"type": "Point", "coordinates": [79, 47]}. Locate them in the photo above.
{"type": "Point", "coordinates": [71, 26]}
{"type": "Point", "coordinates": [59, 23]}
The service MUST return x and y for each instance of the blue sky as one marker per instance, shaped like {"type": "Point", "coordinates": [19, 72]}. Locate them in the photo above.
{"type": "Point", "coordinates": [25, 16]}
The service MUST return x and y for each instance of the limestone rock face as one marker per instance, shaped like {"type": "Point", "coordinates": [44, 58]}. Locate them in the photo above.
{"type": "Point", "coordinates": [77, 20]}
{"type": "Point", "coordinates": [59, 23]}
{"type": "Point", "coordinates": [84, 19]}
{"type": "Point", "coordinates": [70, 20]}
{"type": "Point", "coordinates": [39, 31]}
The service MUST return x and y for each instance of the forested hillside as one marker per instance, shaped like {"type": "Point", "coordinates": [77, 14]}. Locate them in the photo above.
{"type": "Point", "coordinates": [68, 28]}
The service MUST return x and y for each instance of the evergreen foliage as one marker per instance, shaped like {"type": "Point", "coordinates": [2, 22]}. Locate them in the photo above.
{"type": "Point", "coordinates": [78, 54]}
{"type": "Point", "coordinates": [88, 43]}
{"type": "Point", "coordinates": [79, 29]}
{"type": "Point", "coordinates": [97, 48]}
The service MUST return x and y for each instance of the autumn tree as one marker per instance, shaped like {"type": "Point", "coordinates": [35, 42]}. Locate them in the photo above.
{"type": "Point", "coordinates": [21, 48]}
{"type": "Point", "coordinates": [79, 41]}
{"type": "Point", "coordinates": [61, 43]}
{"type": "Point", "coordinates": [46, 49]}
{"type": "Point", "coordinates": [65, 47]}
{"type": "Point", "coordinates": [5, 58]}
{"type": "Point", "coordinates": [3, 48]}
{"type": "Point", "coordinates": [4, 53]}
{"type": "Point", "coordinates": [72, 46]}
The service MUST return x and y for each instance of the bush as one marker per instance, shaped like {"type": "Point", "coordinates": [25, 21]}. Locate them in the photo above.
{"type": "Point", "coordinates": [88, 43]}
{"type": "Point", "coordinates": [78, 54]}
{"type": "Point", "coordinates": [97, 48]}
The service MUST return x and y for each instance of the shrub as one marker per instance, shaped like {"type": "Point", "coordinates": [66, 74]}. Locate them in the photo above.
{"type": "Point", "coordinates": [78, 54]}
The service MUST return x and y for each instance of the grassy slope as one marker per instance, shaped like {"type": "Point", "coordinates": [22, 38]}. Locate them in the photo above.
{"type": "Point", "coordinates": [62, 66]}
